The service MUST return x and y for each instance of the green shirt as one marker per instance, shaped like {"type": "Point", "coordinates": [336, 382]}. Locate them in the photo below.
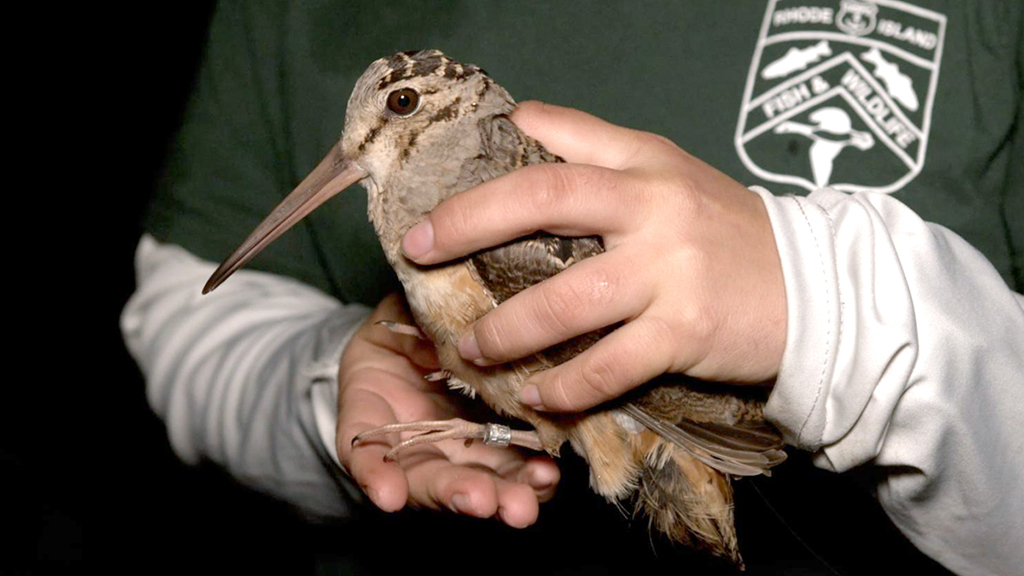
{"type": "Point", "coordinates": [944, 87]}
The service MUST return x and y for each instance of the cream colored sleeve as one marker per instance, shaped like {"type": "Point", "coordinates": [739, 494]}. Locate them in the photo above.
{"type": "Point", "coordinates": [245, 376]}
{"type": "Point", "coordinates": [905, 352]}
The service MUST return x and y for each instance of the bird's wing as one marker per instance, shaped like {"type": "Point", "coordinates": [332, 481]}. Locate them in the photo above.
{"type": "Point", "coordinates": [741, 449]}
{"type": "Point", "coordinates": [506, 147]}
{"type": "Point", "coordinates": [513, 267]}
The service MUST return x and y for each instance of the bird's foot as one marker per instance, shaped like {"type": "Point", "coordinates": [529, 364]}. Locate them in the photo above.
{"type": "Point", "coordinates": [404, 329]}
{"type": "Point", "coordinates": [454, 429]}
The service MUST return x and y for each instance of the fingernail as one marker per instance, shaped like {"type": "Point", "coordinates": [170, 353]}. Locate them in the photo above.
{"type": "Point", "coordinates": [469, 349]}
{"type": "Point", "coordinates": [530, 396]}
{"type": "Point", "coordinates": [419, 240]}
{"type": "Point", "coordinates": [460, 502]}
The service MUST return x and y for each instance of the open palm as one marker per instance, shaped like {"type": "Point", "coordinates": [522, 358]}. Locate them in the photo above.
{"type": "Point", "coordinates": [381, 382]}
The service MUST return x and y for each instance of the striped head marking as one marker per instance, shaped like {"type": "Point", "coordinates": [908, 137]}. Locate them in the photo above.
{"type": "Point", "coordinates": [414, 102]}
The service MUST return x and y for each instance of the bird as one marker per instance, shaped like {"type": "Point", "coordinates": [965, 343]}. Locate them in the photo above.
{"type": "Point", "coordinates": [421, 127]}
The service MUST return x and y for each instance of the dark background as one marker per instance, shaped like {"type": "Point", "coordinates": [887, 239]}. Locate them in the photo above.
{"type": "Point", "coordinates": [89, 478]}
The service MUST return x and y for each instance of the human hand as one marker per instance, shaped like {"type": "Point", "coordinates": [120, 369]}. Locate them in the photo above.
{"type": "Point", "coordinates": [690, 267]}
{"type": "Point", "coordinates": [381, 382]}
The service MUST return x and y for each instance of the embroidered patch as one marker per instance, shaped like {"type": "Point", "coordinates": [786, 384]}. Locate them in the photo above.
{"type": "Point", "coordinates": [840, 93]}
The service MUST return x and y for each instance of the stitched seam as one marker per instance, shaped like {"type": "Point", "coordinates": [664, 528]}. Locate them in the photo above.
{"type": "Point", "coordinates": [828, 330]}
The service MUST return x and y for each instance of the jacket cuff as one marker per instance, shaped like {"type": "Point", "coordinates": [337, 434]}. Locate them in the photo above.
{"type": "Point", "coordinates": [803, 236]}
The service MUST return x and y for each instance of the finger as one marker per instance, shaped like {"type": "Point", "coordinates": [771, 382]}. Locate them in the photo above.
{"type": "Point", "coordinates": [473, 491]}
{"type": "Point", "coordinates": [438, 483]}
{"type": "Point", "coordinates": [539, 472]}
{"type": "Point", "coordinates": [592, 294]}
{"type": "Point", "coordinates": [489, 472]}
{"type": "Point", "coordinates": [542, 474]}
{"type": "Point", "coordinates": [566, 199]}
{"type": "Point", "coordinates": [580, 137]}
{"type": "Point", "coordinates": [517, 503]}
{"type": "Point", "coordinates": [635, 353]}
{"type": "Point", "coordinates": [383, 482]}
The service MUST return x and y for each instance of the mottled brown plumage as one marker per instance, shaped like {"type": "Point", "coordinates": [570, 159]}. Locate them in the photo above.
{"type": "Point", "coordinates": [421, 128]}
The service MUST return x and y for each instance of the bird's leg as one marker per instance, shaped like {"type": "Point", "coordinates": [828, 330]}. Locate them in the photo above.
{"type": "Point", "coordinates": [454, 429]}
{"type": "Point", "coordinates": [410, 330]}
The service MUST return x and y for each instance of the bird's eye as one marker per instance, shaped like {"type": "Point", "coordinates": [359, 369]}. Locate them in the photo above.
{"type": "Point", "coordinates": [403, 102]}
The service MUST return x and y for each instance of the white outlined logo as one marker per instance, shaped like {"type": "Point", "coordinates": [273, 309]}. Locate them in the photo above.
{"type": "Point", "coordinates": [857, 18]}
{"type": "Point", "coordinates": [840, 93]}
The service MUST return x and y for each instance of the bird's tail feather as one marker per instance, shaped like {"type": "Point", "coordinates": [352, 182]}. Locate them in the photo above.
{"type": "Point", "coordinates": [686, 499]}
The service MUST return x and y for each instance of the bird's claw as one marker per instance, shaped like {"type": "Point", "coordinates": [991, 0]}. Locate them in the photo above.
{"type": "Point", "coordinates": [404, 329]}
{"type": "Point", "coordinates": [438, 376]}
{"type": "Point", "coordinates": [454, 429]}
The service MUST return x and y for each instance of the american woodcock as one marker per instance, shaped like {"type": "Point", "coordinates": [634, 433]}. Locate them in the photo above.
{"type": "Point", "coordinates": [421, 128]}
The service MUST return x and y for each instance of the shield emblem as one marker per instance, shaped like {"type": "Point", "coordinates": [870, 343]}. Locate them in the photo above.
{"type": "Point", "coordinates": [840, 94]}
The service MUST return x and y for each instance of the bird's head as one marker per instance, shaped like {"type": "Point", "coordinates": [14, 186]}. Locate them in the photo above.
{"type": "Point", "coordinates": [413, 103]}
{"type": "Point", "coordinates": [407, 117]}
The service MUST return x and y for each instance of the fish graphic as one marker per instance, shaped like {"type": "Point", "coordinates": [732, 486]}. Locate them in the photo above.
{"type": "Point", "coordinates": [796, 59]}
{"type": "Point", "coordinates": [897, 84]}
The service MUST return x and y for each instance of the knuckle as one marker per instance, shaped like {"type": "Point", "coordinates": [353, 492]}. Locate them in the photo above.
{"type": "Point", "coordinates": [657, 332]}
{"type": "Point", "coordinates": [662, 141]}
{"type": "Point", "coordinates": [643, 148]}
{"type": "Point", "coordinates": [701, 325]}
{"type": "Point", "coordinates": [453, 220]}
{"type": "Point", "coordinates": [557, 395]}
{"type": "Point", "coordinates": [655, 149]}
{"type": "Point", "coordinates": [492, 337]}
{"type": "Point", "coordinates": [695, 323]}
{"type": "Point", "coordinates": [632, 147]}
{"type": "Point", "coordinates": [599, 378]}
{"type": "Point", "coordinates": [603, 286]}
{"type": "Point", "coordinates": [559, 308]}
{"type": "Point", "coordinates": [684, 191]}
{"type": "Point", "coordinates": [562, 188]}
{"type": "Point", "coordinates": [566, 303]}
{"type": "Point", "coordinates": [548, 190]}
{"type": "Point", "coordinates": [551, 185]}
{"type": "Point", "coordinates": [662, 144]}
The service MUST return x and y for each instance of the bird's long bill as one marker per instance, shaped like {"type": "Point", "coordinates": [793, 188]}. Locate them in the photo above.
{"type": "Point", "coordinates": [332, 175]}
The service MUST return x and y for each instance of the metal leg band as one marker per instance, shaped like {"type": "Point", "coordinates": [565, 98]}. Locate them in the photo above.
{"type": "Point", "coordinates": [497, 435]}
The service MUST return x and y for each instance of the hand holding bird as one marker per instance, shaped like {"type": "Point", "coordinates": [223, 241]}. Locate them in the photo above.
{"type": "Point", "coordinates": [690, 264]}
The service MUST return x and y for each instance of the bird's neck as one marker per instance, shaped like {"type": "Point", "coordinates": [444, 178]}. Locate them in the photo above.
{"type": "Point", "coordinates": [401, 200]}
{"type": "Point", "coordinates": [392, 217]}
